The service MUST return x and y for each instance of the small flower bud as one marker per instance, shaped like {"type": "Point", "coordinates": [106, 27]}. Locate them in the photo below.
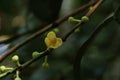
{"type": "Point", "coordinates": [15, 58]}
{"type": "Point", "coordinates": [56, 30]}
{"type": "Point", "coordinates": [36, 54]}
{"type": "Point", "coordinates": [85, 19]}
{"type": "Point", "coordinates": [77, 30]}
{"type": "Point", "coordinates": [17, 78]}
{"type": "Point", "coordinates": [72, 19]}
{"type": "Point", "coordinates": [2, 68]}
{"type": "Point", "coordinates": [91, 7]}
{"type": "Point", "coordinates": [5, 69]}
{"type": "Point", "coordinates": [45, 65]}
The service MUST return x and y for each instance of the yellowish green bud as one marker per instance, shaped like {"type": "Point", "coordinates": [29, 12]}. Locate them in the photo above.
{"type": "Point", "coordinates": [17, 78]}
{"type": "Point", "coordinates": [91, 7]}
{"type": "Point", "coordinates": [2, 68]}
{"type": "Point", "coordinates": [15, 58]}
{"type": "Point", "coordinates": [56, 30]}
{"type": "Point", "coordinates": [5, 69]}
{"type": "Point", "coordinates": [72, 19]}
{"type": "Point", "coordinates": [45, 65]}
{"type": "Point", "coordinates": [36, 54]}
{"type": "Point", "coordinates": [77, 30]}
{"type": "Point", "coordinates": [85, 19]}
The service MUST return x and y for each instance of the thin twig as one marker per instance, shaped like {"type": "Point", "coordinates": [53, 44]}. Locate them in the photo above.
{"type": "Point", "coordinates": [94, 8]}
{"type": "Point", "coordinates": [48, 27]}
{"type": "Point", "coordinates": [26, 64]}
{"type": "Point", "coordinates": [90, 12]}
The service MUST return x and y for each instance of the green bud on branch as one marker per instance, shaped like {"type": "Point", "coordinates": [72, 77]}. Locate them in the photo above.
{"type": "Point", "coordinates": [77, 30]}
{"type": "Point", "coordinates": [5, 69]}
{"type": "Point", "coordinates": [84, 19]}
{"type": "Point", "coordinates": [17, 76]}
{"type": "Point", "coordinates": [72, 19]}
{"type": "Point", "coordinates": [2, 68]}
{"type": "Point", "coordinates": [45, 65]}
{"type": "Point", "coordinates": [36, 54]}
{"type": "Point", "coordinates": [56, 30]}
{"type": "Point", "coordinates": [15, 58]}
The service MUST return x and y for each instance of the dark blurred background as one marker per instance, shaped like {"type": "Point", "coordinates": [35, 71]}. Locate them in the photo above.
{"type": "Point", "coordinates": [101, 61]}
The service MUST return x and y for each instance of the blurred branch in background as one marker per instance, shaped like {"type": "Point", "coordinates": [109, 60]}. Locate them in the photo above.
{"type": "Point", "coordinates": [15, 37]}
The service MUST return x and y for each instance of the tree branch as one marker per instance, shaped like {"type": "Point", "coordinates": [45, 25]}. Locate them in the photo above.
{"type": "Point", "coordinates": [41, 31]}
{"type": "Point", "coordinates": [47, 52]}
